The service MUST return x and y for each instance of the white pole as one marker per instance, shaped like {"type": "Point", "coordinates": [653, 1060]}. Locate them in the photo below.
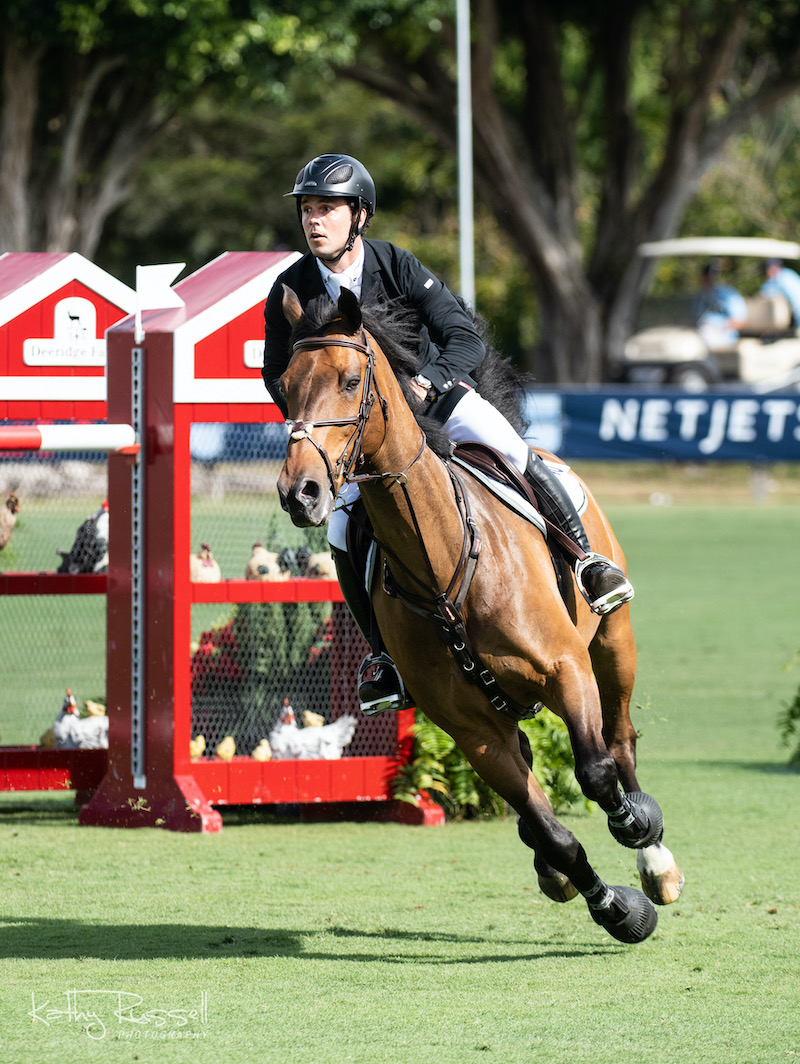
{"type": "Point", "coordinates": [465, 192]}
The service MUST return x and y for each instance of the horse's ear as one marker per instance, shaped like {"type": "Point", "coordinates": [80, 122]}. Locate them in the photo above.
{"type": "Point", "coordinates": [349, 310]}
{"type": "Point", "coordinates": [291, 306]}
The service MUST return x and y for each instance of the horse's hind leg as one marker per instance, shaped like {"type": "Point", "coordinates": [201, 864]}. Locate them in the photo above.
{"type": "Point", "coordinates": [554, 884]}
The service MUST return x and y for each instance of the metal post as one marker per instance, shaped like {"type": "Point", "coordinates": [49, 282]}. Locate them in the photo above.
{"type": "Point", "coordinates": [465, 190]}
{"type": "Point", "coordinates": [137, 573]}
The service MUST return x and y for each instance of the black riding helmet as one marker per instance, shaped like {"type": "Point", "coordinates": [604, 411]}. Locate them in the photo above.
{"type": "Point", "coordinates": [340, 176]}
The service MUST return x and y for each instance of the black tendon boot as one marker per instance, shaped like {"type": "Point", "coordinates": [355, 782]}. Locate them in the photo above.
{"type": "Point", "coordinates": [380, 688]}
{"type": "Point", "coordinates": [604, 586]}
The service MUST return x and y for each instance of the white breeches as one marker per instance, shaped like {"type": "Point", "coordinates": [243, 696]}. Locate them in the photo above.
{"type": "Point", "coordinates": [473, 419]}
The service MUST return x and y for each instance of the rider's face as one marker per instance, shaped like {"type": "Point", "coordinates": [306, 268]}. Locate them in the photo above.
{"type": "Point", "coordinates": [326, 224]}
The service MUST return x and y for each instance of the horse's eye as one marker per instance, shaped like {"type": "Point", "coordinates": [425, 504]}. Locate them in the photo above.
{"type": "Point", "coordinates": [352, 383]}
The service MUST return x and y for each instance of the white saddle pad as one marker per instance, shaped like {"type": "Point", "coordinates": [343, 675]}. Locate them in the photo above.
{"type": "Point", "coordinates": [520, 505]}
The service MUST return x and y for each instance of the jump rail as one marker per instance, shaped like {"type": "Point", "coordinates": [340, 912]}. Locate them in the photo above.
{"type": "Point", "coordinates": [118, 438]}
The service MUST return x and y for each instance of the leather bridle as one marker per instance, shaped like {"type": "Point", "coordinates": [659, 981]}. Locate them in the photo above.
{"type": "Point", "coordinates": [302, 430]}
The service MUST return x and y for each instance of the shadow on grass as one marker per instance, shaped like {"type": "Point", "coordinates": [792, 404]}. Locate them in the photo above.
{"type": "Point", "coordinates": [54, 938]}
{"type": "Point", "coordinates": [769, 768]}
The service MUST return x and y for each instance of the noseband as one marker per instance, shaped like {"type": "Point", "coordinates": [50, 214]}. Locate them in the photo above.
{"type": "Point", "coordinates": [301, 430]}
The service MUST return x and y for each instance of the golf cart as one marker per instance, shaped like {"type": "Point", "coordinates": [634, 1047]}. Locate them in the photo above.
{"type": "Point", "coordinates": [767, 354]}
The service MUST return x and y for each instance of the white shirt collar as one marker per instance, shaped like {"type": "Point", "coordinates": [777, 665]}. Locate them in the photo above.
{"type": "Point", "coordinates": [349, 278]}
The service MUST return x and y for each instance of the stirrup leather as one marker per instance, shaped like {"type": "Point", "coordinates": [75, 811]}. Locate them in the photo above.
{"type": "Point", "coordinates": [613, 599]}
{"type": "Point", "coordinates": [398, 699]}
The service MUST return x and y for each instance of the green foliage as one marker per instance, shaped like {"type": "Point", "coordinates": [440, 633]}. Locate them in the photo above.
{"type": "Point", "coordinates": [553, 762]}
{"type": "Point", "coordinates": [440, 768]}
{"type": "Point", "coordinates": [789, 724]}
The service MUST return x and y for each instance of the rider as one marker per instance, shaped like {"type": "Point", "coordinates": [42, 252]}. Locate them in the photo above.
{"type": "Point", "coordinates": [335, 198]}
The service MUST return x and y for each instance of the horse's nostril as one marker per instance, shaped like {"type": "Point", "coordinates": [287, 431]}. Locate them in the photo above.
{"type": "Point", "coordinates": [309, 491]}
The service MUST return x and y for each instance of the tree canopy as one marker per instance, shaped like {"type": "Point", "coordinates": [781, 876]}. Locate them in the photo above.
{"type": "Point", "coordinates": [89, 87]}
{"type": "Point", "coordinates": [594, 126]}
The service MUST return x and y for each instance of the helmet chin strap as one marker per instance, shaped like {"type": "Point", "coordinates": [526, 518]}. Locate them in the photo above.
{"type": "Point", "coordinates": [354, 233]}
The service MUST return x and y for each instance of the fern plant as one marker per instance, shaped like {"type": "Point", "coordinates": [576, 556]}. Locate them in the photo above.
{"type": "Point", "coordinates": [440, 768]}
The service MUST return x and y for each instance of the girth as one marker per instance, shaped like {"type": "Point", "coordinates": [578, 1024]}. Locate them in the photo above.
{"type": "Point", "coordinates": [443, 607]}
{"type": "Point", "coordinates": [453, 632]}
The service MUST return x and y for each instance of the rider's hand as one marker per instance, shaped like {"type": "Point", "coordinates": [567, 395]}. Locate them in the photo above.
{"type": "Point", "coordinates": [419, 390]}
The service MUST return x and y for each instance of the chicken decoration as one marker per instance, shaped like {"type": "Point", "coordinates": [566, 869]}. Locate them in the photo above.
{"type": "Point", "coordinates": [265, 564]}
{"type": "Point", "coordinates": [226, 749]}
{"type": "Point", "coordinates": [197, 747]}
{"type": "Point", "coordinates": [263, 752]}
{"type": "Point", "coordinates": [74, 732]}
{"type": "Point", "coordinates": [8, 518]}
{"type": "Point", "coordinates": [89, 550]}
{"type": "Point", "coordinates": [203, 567]}
{"type": "Point", "coordinates": [326, 742]}
{"type": "Point", "coordinates": [312, 720]}
{"type": "Point", "coordinates": [321, 566]}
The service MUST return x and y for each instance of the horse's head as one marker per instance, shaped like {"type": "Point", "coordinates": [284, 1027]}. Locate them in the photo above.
{"type": "Point", "coordinates": [329, 391]}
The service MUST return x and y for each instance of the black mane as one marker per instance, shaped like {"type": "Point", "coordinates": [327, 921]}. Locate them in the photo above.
{"type": "Point", "coordinates": [396, 329]}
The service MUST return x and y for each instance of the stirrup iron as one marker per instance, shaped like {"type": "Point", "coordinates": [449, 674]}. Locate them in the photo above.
{"type": "Point", "coordinates": [394, 701]}
{"type": "Point", "coordinates": [613, 599]}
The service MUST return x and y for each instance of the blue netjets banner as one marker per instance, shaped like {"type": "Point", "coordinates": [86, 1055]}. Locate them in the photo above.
{"type": "Point", "coordinates": [652, 426]}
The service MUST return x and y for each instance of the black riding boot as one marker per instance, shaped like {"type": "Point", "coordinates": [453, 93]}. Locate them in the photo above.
{"type": "Point", "coordinates": [604, 586]}
{"type": "Point", "coordinates": [383, 690]}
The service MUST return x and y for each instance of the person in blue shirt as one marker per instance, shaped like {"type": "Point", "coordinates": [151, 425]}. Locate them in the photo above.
{"type": "Point", "coordinates": [718, 310]}
{"type": "Point", "coordinates": [781, 281]}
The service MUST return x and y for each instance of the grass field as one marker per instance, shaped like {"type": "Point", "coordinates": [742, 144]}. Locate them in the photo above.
{"type": "Point", "coordinates": [379, 944]}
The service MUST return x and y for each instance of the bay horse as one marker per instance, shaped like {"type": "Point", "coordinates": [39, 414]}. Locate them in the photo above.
{"type": "Point", "coordinates": [449, 546]}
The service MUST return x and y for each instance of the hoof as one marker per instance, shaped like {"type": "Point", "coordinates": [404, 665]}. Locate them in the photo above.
{"type": "Point", "coordinates": [662, 880]}
{"type": "Point", "coordinates": [644, 824]}
{"type": "Point", "coordinates": [631, 917]}
{"type": "Point", "coordinates": [558, 887]}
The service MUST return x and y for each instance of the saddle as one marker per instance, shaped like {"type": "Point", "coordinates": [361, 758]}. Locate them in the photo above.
{"type": "Point", "coordinates": [492, 463]}
{"type": "Point", "coordinates": [493, 468]}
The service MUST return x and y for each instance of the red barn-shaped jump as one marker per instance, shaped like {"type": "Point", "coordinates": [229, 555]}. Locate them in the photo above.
{"type": "Point", "coordinates": [54, 312]}
{"type": "Point", "coordinates": [199, 363]}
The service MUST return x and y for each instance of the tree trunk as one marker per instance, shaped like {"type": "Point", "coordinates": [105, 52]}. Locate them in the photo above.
{"type": "Point", "coordinates": [20, 81]}
{"type": "Point", "coordinates": [86, 151]}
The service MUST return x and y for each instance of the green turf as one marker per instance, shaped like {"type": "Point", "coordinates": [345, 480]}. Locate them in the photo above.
{"type": "Point", "coordinates": [323, 944]}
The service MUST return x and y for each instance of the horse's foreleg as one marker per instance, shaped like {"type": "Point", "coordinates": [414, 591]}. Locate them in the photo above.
{"type": "Point", "coordinates": [625, 913]}
{"type": "Point", "coordinates": [662, 880]}
{"type": "Point", "coordinates": [552, 883]}
{"type": "Point", "coordinates": [613, 653]}
{"type": "Point", "coordinates": [633, 819]}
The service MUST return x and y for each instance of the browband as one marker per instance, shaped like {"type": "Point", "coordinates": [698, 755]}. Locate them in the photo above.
{"type": "Point", "coordinates": [311, 342]}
